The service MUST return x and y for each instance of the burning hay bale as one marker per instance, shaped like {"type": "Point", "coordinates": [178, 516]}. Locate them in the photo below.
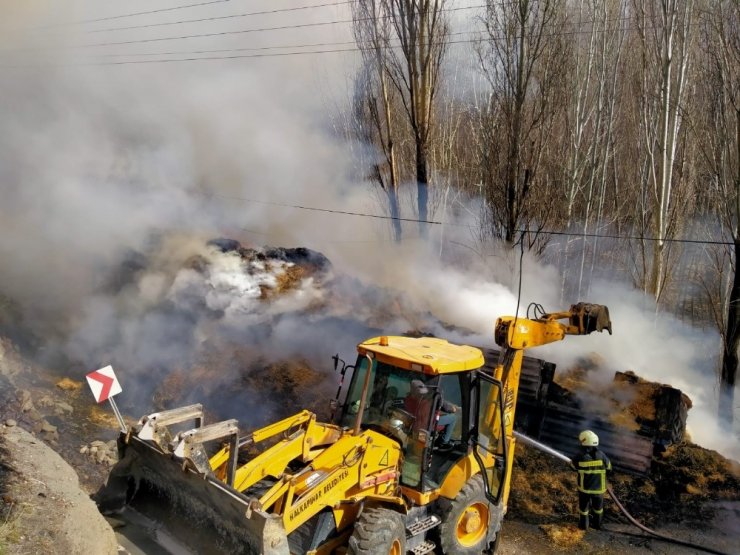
{"type": "Point", "coordinates": [655, 410]}
{"type": "Point", "coordinates": [288, 266]}
{"type": "Point", "coordinates": [659, 408]}
{"type": "Point", "coordinates": [659, 475]}
{"type": "Point", "coordinates": [635, 417]}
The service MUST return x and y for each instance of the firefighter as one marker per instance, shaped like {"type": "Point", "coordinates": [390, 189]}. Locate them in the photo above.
{"type": "Point", "coordinates": [592, 466]}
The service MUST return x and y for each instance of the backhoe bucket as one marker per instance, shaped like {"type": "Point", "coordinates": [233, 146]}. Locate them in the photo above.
{"type": "Point", "coordinates": [148, 474]}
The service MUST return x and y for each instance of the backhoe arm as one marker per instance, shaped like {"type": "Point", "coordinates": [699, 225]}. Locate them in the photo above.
{"type": "Point", "coordinates": [300, 437]}
{"type": "Point", "coordinates": [514, 335]}
{"type": "Point", "coordinates": [522, 333]}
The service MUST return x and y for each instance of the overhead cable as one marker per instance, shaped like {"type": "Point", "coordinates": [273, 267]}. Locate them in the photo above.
{"type": "Point", "coordinates": [437, 222]}
{"type": "Point", "coordinates": [221, 17]}
{"type": "Point", "coordinates": [235, 32]}
{"type": "Point", "coordinates": [121, 16]}
{"type": "Point", "coordinates": [318, 209]}
{"type": "Point", "coordinates": [480, 39]}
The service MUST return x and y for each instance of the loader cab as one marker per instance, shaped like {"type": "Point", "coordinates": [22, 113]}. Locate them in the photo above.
{"type": "Point", "coordinates": [406, 389]}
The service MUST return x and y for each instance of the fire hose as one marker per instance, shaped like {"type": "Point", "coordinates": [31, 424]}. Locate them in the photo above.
{"type": "Point", "coordinates": [558, 455]}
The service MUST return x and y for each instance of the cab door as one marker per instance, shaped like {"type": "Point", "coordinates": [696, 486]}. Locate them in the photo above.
{"type": "Point", "coordinates": [487, 436]}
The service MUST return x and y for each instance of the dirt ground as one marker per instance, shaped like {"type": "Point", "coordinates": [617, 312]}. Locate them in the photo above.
{"type": "Point", "coordinates": [46, 510]}
{"type": "Point", "coordinates": [618, 537]}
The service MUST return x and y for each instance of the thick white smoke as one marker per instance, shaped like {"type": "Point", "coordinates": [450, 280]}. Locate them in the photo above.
{"type": "Point", "coordinates": [99, 160]}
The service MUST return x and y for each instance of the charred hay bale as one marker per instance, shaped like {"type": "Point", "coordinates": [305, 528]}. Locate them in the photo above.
{"type": "Point", "coordinates": [301, 256]}
{"type": "Point", "coordinates": [660, 410]}
{"type": "Point", "coordinates": [224, 244]}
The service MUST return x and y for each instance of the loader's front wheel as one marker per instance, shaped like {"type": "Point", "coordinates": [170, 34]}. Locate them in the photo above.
{"type": "Point", "coordinates": [469, 522]}
{"type": "Point", "coordinates": [378, 531]}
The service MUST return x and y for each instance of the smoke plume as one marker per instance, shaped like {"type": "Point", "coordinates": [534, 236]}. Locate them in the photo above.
{"type": "Point", "coordinates": [110, 167]}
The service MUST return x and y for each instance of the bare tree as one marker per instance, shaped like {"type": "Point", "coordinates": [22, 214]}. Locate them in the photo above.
{"type": "Point", "coordinates": [414, 68]}
{"type": "Point", "coordinates": [720, 144]}
{"type": "Point", "coordinates": [522, 59]}
{"type": "Point", "coordinates": [665, 29]}
{"type": "Point", "coordinates": [589, 118]}
{"type": "Point", "coordinates": [372, 31]}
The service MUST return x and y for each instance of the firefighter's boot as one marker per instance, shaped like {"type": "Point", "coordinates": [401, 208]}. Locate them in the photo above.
{"type": "Point", "coordinates": [597, 505]}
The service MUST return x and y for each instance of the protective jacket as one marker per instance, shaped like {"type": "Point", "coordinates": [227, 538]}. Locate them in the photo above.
{"type": "Point", "coordinates": [592, 466]}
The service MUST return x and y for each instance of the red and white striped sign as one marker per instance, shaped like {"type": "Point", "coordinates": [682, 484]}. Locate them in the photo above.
{"type": "Point", "coordinates": [103, 383]}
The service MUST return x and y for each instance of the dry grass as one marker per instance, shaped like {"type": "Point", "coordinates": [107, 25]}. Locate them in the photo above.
{"type": "Point", "coordinates": [542, 489]}
{"type": "Point", "coordinates": [103, 417]}
{"type": "Point", "coordinates": [67, 384]}
{"type": "Point", "coordinates": [563, 537]}
{"type": "Point", "coordinates": [8, 534]}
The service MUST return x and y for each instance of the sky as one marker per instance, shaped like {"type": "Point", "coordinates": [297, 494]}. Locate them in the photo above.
{"type": "Point", "coordinates": [100, 156]}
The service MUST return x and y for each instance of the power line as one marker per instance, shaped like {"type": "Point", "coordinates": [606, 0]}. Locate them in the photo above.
{"type": "Point", "coordinates": [635, 238]}
{"type": "Point", "coordinates": [223, 33]}
{"type": "Point", "coordinates": [221, 50]}
{"type": "Point", "coordinates": [202, 58]}
{"type": "Point", "coordinates": [255, 49]}
{"type": "Point", "coordinates": [220, 17]}
{"type": "Point", "coordinates": [342, 43]}
{"type": "Point", "coordinates": [121, 16]}
{"type": "Point", "coordinates": [482, 38]}
{"type": "Point", "coordinates": [198, 52]}
{"type": "Point", "coordinates": [239, 56]}
{"type": "Point", "coordinates": [298, 8]}
{"type": "Point", "coordinates": [157, 39]}
{"type": "Point", "coordinates": [316, 209]}
{"type": "Point", "coordinates": [435, 222]}
{"type": "Point", "coordinates": [262, 29]}
{"type": "Point", "coordinates": [218, 34]}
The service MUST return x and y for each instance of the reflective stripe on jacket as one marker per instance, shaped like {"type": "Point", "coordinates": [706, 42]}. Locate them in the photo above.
{"type": "Point", "coordinates": [592, 466]}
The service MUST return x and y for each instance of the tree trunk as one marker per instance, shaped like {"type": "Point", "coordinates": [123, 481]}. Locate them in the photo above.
{"type": "Point", "coordinates": [422, 185]}
{"type": "Point", "coordinates": [392, 193]}
{"type": "Point", "coordinates": [732, 342]}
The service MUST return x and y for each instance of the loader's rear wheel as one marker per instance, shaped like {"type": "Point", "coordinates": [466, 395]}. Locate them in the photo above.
{"type": "Point", "coordinates": [468, 521]}
{"type": "Point", "coordinates": [378, 531]}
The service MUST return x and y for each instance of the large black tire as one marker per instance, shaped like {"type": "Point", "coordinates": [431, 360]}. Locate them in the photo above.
{"type": "Point", "coordinates": [494, 546]}
{"type": "Point", "coordinates": [378, 531]}
{"type": "Point", "coordinates": [470, 523]}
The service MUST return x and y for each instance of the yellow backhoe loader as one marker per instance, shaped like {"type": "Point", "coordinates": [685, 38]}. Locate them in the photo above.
{"type": "Point", "coordinates": [417, 459]}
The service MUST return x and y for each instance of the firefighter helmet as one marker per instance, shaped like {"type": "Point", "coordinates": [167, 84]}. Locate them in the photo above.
{"type": "Point", "coordinates": [588, 438]}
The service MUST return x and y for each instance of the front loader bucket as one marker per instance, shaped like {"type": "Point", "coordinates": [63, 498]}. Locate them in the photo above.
{"type": "Point", "coordinates": [204, 501]}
